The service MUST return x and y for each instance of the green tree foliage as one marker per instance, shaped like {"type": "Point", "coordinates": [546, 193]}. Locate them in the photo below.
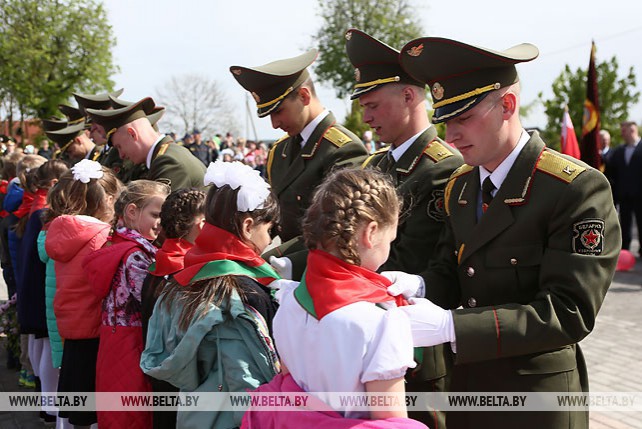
{"type": "Point", "coordinates": [616, 96]}
{"type": "Point", "coordinates": [394, 22]}
{"type": "Point", "coordinates": [49, 49]}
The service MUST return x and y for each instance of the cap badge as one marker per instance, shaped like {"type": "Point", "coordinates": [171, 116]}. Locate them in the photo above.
{"type": "Point", "coordinates": [415, 51]}
{"type": "Point", "coordinates": [237, 72]}
{"type": "Point", "coordinates": [348, 35]}
{"type": "Point", "coordinates": [357, 74]}
{"type": "Point", "coordinates": [437, 91]}
{"type": "Point", "coordinates": [256, 97]}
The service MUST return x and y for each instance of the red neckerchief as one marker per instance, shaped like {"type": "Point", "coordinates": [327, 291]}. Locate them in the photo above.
{"type": "Point", "coordinates": [170, 258]}
{"type": "Point", "coordinates": [213, 244]}
{"type": "Point", "coordinates": [39, 201]}
{"type": "Point", "coordinates": [333, 283]}
{"type": "Point", "coordinates": [25, 206]}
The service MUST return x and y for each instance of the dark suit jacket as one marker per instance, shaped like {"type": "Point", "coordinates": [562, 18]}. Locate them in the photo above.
{"type": "Point", "coordinates": [531, 276]}
{"type": "Point", "coordinates": [293, 182]}
{"type": "Point", "coordinates": [625, 179]}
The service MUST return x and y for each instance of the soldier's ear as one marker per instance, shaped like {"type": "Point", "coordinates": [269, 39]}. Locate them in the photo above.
{"type": "Point", "coordinates": [305, 95]}
{"type": "Point", "coordinates": [509, 104]}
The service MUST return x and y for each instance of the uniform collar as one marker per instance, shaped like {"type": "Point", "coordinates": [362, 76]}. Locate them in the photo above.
{"type": "Point", "coordinates": [150, 154]}
{"type": "Point", "coordinates": [90, 153]}
{"type": "Point", "coordinates": [309, 129]}
{"type": "Point", "coordinates": [499, 175]}
{"type": "Point", "coordinates": [398, 151]}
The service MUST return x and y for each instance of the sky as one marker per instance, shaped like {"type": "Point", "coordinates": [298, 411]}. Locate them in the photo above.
{"type": "Point", "coordinates": [159, 39]}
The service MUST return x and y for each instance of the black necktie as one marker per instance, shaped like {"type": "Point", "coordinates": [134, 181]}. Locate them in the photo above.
{"type": "Point", "coordinates": [295, 147]}
{"type": "Point", "coordinates": [387, 162]}
{"type": "Point", "coordinates": [487, 193]}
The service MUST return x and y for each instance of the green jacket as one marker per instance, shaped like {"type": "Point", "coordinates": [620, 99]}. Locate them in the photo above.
{"type": "Point", "coordinates": [176, 164]}
{"type": "Point", "coordinates": [531, 276]}
{"type": "Point", "coordinates": [330, 145]}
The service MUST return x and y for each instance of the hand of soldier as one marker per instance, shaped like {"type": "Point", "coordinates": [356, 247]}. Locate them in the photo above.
{"type": "Point", "coordinates": [408, 285]}
{"type": "Point", "coordinates": [283, 266]}
{"type": "Point", "coordinates": [282, 287]}
{"type": "Point", "coordinates": [431, 324]}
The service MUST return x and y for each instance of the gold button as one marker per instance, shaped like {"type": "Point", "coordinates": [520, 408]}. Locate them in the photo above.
{"type": "Point", "coordinates": [470, 271]}
{"type": "Point", "coordinates": [456, 252]}
{"type": "Point", "coordinates": [298, 197]}
{"type": "Point", "coordinates": [513, 261]}
{"type": "Point", "coordinates": [472, 302]}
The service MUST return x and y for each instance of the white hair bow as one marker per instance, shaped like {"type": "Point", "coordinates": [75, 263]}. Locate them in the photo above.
{"type": "Point", "coordinates": [254, 189]}
{"type": "Point", "coordinates": [86, 170]}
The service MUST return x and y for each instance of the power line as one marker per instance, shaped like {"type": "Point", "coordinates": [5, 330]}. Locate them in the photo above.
{"type": "Point", "coordinates": [601, 39]}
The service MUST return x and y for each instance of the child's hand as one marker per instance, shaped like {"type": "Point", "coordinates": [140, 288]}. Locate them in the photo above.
{"type": "Point", "coordinates": [408, 285]}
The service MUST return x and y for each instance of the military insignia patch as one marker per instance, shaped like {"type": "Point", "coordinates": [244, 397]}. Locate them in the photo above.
{"type": "Point", "coordinates": [437, 91]}
{"type": "Point", "coordinates": [415, 51]}
{"type": "Point", "coordinates": [349, 35]}
{"type": "Point", "coordinates": [436, 205]}
{"type": "Point", "coordinates": [237, 72]}
{"type": "Point", "coordinates": [588, 237]}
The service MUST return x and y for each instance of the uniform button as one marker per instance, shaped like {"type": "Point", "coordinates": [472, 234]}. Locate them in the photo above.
{"type": "Point", "coordinates": [472, 302]}
{"type": "Point", "coordinates": [298, 197]}
{"type": "Point", "coordinates": [470, 271]}
{"type": "Point", "coordinates": [513, 261]}
{"type": "Point", "coordinates": [456, 252]}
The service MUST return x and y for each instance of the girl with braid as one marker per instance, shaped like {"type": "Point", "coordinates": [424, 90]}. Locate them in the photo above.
{"type": "Point", "coordinates": [330, 333]}
{"type": "Point", "coordinates": [209, 331]}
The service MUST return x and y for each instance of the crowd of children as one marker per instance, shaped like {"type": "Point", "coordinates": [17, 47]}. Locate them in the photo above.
{"type": "Point", "coordinates": [103, 309]}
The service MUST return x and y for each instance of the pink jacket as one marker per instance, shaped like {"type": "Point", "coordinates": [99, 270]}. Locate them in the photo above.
{"type": "Point", "coordinates": [69, 240]}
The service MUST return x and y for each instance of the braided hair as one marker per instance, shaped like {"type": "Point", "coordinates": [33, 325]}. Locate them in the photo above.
{"type": "Point", "coordinates": [179, 211]}
{"type": "Point", "coordinates": [346, 200]}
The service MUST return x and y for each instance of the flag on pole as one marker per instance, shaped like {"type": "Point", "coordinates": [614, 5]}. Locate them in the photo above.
{"type": "Point", "coordinates": [568, 143]}
{"type": "Point", "coordinates": [591, 119]}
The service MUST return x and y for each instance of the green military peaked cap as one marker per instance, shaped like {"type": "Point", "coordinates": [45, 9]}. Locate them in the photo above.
{"type": "Point", "coordinates": [375, 63]}
{"type": "Point", "coordinates": [53, 124]}
{"type": "Point", "coordinates": [73, 114]}
{"type": "Point", "coordinates": [461, 75]}
{"type": "Point", "coordinates": [95, 101]}
{"type": "Point", "coordinates": [153, 115]}
{"type": "Point", "coordinates": [113, 119]}
{"type": "Point", "coordinates": [66, 135]}
{"type": "Point", "coordinates": [271, 83]}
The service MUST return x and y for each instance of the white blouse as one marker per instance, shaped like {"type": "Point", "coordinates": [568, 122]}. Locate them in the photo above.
{"type": "Point", "coordinates": [349, 347]}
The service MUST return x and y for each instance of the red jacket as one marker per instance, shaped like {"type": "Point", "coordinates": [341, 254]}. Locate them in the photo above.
{"type": "Point", "coordinates": [77, 308]}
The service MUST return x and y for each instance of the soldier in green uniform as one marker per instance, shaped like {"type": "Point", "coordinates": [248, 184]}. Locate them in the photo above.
{"type": "Point", "coordinates": [315, 143]}
{"type": "Point", "coordinates": [133, 136]}
{"type": "Point", "coordinates": [394, 105]}
{"type": "Point", "coordinates": [74, 143]}
{"type": "Point", "coordinates": [530, 245]}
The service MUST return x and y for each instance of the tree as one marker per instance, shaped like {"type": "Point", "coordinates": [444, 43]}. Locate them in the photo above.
{"type": "Point", "coordinates": [49, 49]}
{"type": "Point", "coordinates": [195, 101]}
{"type": "Point", "coordinates": [616, 96]}
{"type": "Point", "coordinates": [394, 22]}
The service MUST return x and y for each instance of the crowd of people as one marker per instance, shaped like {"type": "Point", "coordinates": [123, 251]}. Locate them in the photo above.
{"type": "Point", "coordinates": [476, 263]}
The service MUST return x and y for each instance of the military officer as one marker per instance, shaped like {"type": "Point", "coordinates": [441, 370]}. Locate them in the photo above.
{"type": "Point", "coordinates": [530, 247]}
{"type": "Point", "coordinates": [315, 143]}
{"type": "Point", "coordinates": [394, 105]}
{"type": "Point", "coordinates": [74, 143]}
{"type": "Point", "coordinates": [133, 136]}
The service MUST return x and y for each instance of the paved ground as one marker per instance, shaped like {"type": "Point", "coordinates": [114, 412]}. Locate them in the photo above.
{"type": "Point", "coordinates": [612, 353]}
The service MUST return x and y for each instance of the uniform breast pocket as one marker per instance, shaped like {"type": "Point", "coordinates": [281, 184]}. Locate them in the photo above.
{"type": "Point", "coordinates": [515, 270]}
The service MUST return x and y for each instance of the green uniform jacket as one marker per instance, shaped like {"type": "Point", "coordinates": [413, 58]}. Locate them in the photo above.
{"type": "Point", "coordinates": [293, 182]}
{"type": "Point", "coordinates": [176, 164]}
{"type": "Point", "coordinates": [531, 276]}
{"type": "Point", "coordinates": [420, 176]}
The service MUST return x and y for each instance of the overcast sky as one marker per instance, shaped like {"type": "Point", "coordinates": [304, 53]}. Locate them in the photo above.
{"type": "Point", "coordinates": [163, 38]}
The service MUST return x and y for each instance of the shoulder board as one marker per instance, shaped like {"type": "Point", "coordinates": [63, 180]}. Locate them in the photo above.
{"type": "Point", "coordinates": [280, 140]}
{"type": "Point", "coordinates": [437, 151]}
{"type": "Point", "coordinates": [371, 157]}
{"type": "Point", "coordinates": [163, 149]}
{"type": "Point", "coordinates": [464, 169]}
{"type": "Point", "coordinates": [557, 166]}
{"type": "Point", "coordinates": [336, 136]}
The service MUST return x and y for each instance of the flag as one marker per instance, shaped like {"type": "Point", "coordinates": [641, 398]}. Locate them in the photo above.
{"type": "Point", "coordinates": [591, 119]}
{"type": "Point", "coordinates": [568, 143]}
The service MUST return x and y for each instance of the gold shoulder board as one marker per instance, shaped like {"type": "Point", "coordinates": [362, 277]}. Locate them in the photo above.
{"type": "Point", "coordinates": [280, 140]}
{"type": "Point", "coordinates": [337, 137]}
{"type": "Point", "coordinates": [437, 151]}
{"type": "Point", "coordinates": [464, 169]}
{"type": "Point", "coordinates": [555, 165]}
{"type": "Point", "coordinates": [163, 149]}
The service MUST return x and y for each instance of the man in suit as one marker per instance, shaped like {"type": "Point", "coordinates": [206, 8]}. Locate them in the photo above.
{"type": "Point", "coordinates": [315, 143]}
{"type": "Point", "coordinates": [530, 245]}
{"type": "Point", "coordinates": [420, 163]}
{"type": "Point", "coordinates": [624, 170]}
{"type": "Point", "coordinates": [133, 136]}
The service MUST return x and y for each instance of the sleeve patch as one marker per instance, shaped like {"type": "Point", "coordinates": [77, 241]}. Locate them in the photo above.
{"type": "Point", "coordinates": [436, 205]}
{"type": "Point", "coordinates": [588, 237]}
